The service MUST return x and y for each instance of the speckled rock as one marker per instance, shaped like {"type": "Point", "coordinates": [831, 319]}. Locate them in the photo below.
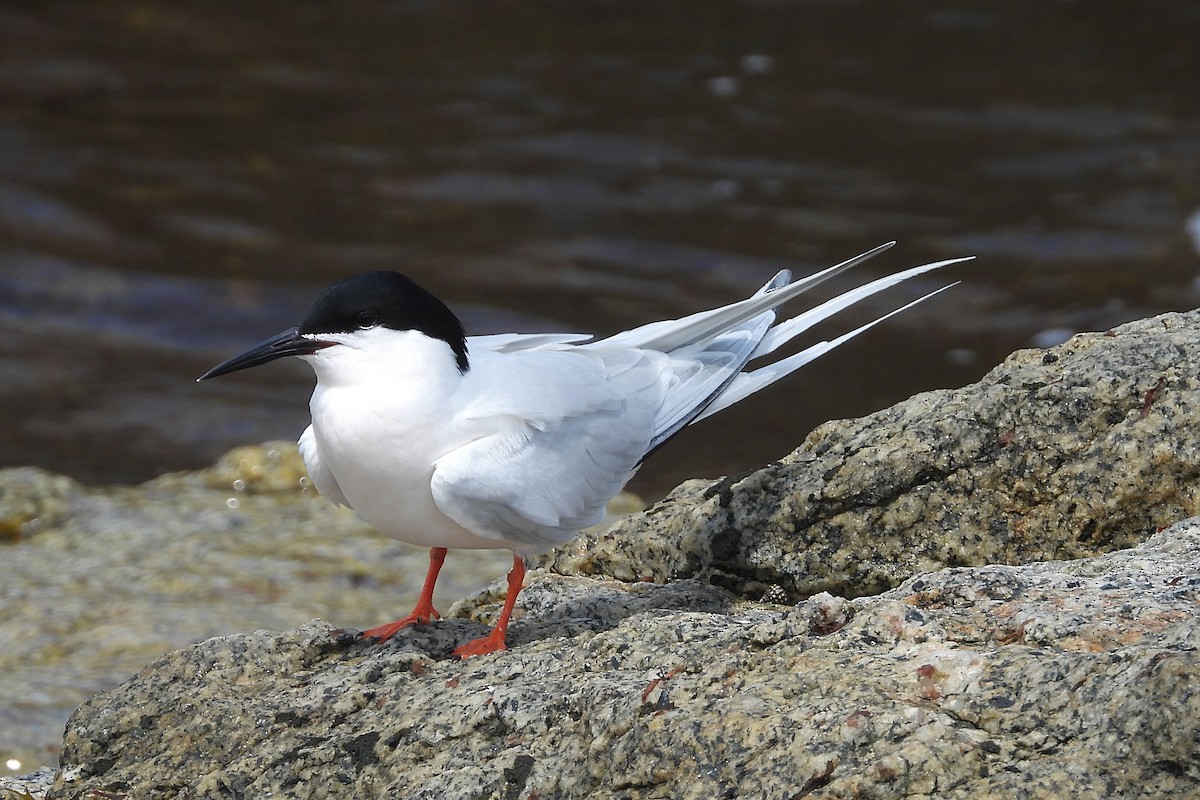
{"type": "Point", "coordinates": [1084, 448]}
{"type": "Point", "coordinates": [30, 786]}
{"type": "Point", "coordinates": [1070, 679]}
{"type": "Point", "coordinates": [97, 581]}
{"type": "Point", "coordinates": [644, 666]}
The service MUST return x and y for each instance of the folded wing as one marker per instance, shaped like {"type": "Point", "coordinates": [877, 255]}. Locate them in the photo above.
{"type": "Point", "coordinates": [564, 422]}
{"type": "Point", "coordinates": [550, 454]}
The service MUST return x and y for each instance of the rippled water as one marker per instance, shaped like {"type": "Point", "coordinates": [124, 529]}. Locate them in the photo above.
{"type": "Point", "coordinates": [177, 180]}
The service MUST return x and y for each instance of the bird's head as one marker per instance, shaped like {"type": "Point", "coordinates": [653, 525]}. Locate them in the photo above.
{"type": "Point", "coordinates": [354, 312]}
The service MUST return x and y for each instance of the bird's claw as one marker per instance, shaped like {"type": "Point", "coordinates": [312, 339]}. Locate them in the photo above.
{"type": "Point", "coordinates": [382, 633]}
{"type": "Point", "coordinates": [492, 643]}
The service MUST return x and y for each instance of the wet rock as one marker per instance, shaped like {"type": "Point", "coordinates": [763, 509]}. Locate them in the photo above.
{"type": "Point", "coordinates": [268, 467]}
{"type": "Point", "coordinates": [32, 499]}
{"type": "Point", "coordinates": [1084, 448]}
{"type": "Point", "coordinates": [1059, 679]}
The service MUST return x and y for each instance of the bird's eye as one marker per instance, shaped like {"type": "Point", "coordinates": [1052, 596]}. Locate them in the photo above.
{"type": "Point", "coordinates": [366, 319]}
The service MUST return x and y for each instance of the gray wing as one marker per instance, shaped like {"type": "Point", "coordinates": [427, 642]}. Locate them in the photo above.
{"type": "Point", "coordinates": [551, 454]}
{"type": "Point", "coordinates": [708, 351]}
{"type": "Point", "coordinates": [698, 372]}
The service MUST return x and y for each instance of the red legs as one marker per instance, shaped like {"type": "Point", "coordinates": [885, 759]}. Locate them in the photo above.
{"type": "Point", "coordinates": [424, 610]}
{"type": "Point", "coordinates": [495, 639]}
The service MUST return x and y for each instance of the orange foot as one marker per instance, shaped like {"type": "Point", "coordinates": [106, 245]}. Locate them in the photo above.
{"type": "Point", "coordinates": [382, 633]}
{"type": "Point", "coordinates": [494, 641]}
{"type": "Point", "coordinates": [424, 610]}
{"type": "Point", "coordinates": [491, 643]}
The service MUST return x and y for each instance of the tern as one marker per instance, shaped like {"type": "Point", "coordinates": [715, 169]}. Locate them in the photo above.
{"type": "Point", "coordinates": [517, 441]}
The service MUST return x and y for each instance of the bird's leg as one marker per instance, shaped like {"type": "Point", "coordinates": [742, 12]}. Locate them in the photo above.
{"type": "Point", "coordinates": [495, 639]}
{"type": "Point", "coordinates": [424, 610]}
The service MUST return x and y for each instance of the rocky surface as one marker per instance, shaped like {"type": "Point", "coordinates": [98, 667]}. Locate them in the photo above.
{"type": "Point", "coordinates": [96, 582]}
{"type": "Point", "coordinates": [1068, 679]}
{"type": "Point", "coordinates": [646, 664]}
{"type": "Point", "coordinates": [1058, 453]}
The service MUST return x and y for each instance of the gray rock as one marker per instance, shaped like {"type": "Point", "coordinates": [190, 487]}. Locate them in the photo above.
{"type": "Point", "coordinates": [644, 665]}
{"type": "Point", "coordinates": [1055, 454]}
{"type": "Point", "coordinates": [97, 581]}
{"type": "Point", "coordinates": [26, 787]}
{"type": "Point", "coordinates": [1069, 679]}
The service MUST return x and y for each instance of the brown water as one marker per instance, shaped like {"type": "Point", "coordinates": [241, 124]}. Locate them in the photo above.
{"type": "Point", "coordinates": [177, 180]}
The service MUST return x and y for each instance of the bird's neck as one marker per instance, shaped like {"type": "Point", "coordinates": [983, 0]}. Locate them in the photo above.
{"type": "Point", "coordinates": [389, 361]}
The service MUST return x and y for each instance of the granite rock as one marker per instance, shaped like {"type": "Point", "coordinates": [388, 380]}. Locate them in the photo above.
{"type": "Point", "coordinates": [646, 663]}
{"type": "Point", "coordinates": [29, 786]}
{"type": "Point", "coordinates": [1060, 453]}
{"type": "Point", "coordinates": [97, 581]}
{"type": "Point", "coordinates": [1061, 679]}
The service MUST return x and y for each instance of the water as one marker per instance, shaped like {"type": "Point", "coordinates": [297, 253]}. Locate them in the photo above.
{"type": "Point", "coordinates": [177, 180]}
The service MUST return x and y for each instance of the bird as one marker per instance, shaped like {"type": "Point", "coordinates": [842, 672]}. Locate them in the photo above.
{"type": "Point", "coordinates": [518, 441]}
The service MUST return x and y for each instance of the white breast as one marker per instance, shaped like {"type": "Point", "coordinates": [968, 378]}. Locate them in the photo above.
{"type": "Point", "coordinates": [379, 422]}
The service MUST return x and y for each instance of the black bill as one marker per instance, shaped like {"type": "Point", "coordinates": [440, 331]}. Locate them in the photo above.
{"type": "Point", "coordinates": [288, 343]}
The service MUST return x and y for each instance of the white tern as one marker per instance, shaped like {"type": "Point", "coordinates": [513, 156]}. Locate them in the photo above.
{"type": "Point", "coordinates": [516, 441]}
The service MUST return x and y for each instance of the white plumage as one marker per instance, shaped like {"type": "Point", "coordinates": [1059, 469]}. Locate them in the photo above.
{"type": "Point", "coordinates": [518, 441]}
